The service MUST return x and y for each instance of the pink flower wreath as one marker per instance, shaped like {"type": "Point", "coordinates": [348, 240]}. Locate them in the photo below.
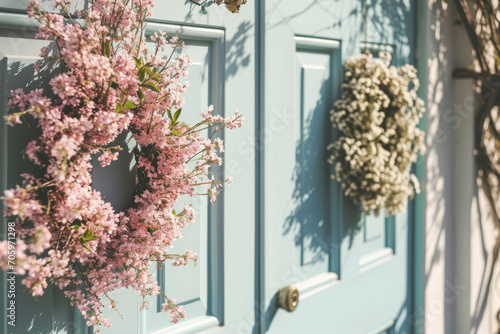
{"type": "Point", "coordinates": [110, 83]}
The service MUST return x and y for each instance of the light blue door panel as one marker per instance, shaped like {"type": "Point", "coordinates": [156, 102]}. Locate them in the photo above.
{"type": "Point", "coordinates": [194, 287]}
{"type": "Point", "coordinates": [298, 226]}
{"type": "Point", "coordinates": [49, 313]}
{"type": "Point", "coordinates": [190, 285]}
{"type": "Point", "coordinates": [314, 74]}
{"type": "Point", "coordinates": [283, 221]}
{"type": "Point", "coordinates": [351, 269]}
{"type": "Point", "coordinates": [211, 293]}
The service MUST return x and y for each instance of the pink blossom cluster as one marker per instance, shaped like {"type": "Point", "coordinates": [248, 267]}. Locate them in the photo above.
{"type": "Point", "coordinates": [110, 83]}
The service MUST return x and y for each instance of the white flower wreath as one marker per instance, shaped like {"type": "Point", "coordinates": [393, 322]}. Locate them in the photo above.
{"type": "Point", "coordinates": [377, 117]}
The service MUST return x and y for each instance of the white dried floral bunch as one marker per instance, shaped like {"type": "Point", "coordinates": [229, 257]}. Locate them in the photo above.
{"type": "Point", "coordinates": [379, 141]}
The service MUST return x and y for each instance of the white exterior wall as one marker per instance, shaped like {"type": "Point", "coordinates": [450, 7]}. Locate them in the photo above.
{"type": "Point", "coordinates": [459, 233]}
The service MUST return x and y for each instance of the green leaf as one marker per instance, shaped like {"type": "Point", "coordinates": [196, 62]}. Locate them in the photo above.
{"type": "Point", "coordinates": [129, 105]}
{"type": "Point", "coordinates": [122, 96]}
{"type": "Point", "coordinates": [148, 70]}
{"type": "Point", "coordinates": [142, 74]}
{"type": "Point", "coordinates": [176, 132]}
{"type": "Point", "coordinates": [156, 77]}
{"type": "Point", "coordinates": [118, 107]}
{"type": "Point", "coordinates": [75, 225]}
{"type": "Point", "coordinates": [138, 61]}
{"type": "Point", "coordinates": [170, 115]}
{"type": "Point", "coordinates": [151, 86]}
{"type": "Point", "coordinates": [141, 94]}
{"type": "Point", "coordinates": [107, 48]}
{"type": "Point", "coordinates": [177, 114]}
{"type": "Point", "coordinates": [83, 244]}
{"type": "Point", "coordinates": [88, 235]}
{"type": "Point", "coordinates": [173, 211]}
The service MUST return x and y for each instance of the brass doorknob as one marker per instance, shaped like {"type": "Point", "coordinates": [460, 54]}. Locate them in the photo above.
{"type": "Point", "coordinates": [288, 298]}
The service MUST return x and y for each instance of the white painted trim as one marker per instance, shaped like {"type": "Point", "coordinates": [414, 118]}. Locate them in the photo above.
{"type": "Point", "coordinates": [383, 327]}
{"type": "Point", "coordinates": [374, 259]}
{"type": "Point", "coordinates": [187, 32]}
{"type": "Point", "coordinates": [316, 43]}
{"type": "Point", "coordinates": [192, 326]}
{"type": "Point", "coordinates": [314, 285]}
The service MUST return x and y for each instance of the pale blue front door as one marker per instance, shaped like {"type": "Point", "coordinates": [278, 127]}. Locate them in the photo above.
{"type": "Point", "coordinates": [351, 270]}
{"type": "Point", "coordinates": [283, 221]}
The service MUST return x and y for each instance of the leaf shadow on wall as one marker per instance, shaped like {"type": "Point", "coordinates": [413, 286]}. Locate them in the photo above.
{"type": "Point", "coordinates": [237, 55]}
{"type": "Point", "coordinates": [316, 217]}
{"type": "Point", "coordinates": [320, 218]}
{"type": "Point", "coordinates": [389, 22]}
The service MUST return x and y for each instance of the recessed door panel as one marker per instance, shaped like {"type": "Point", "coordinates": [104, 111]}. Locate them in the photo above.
{"type": "Point", "coordinates": [284, 221]}
{"type": "Point", "coordinates": [51, 312]}
{"type": "Point", "coordinates": [347, 266]}
{"type": "Point", "coordinates": [378, 239]}
{"type": "Point", "coordinates": [189, 285]}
